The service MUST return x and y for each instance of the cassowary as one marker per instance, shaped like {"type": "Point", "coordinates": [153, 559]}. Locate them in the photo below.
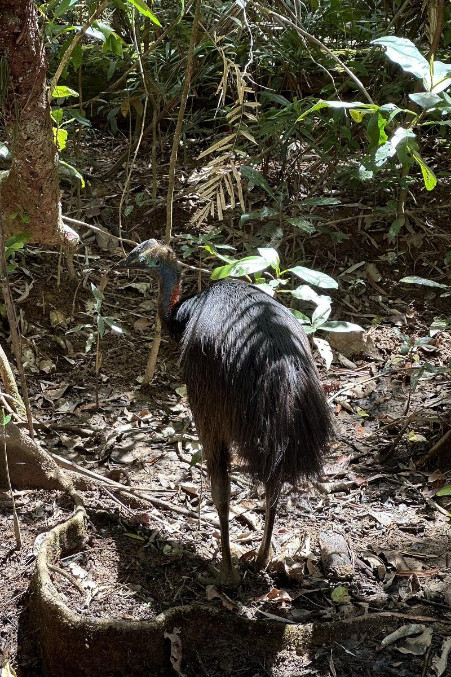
{"type": "Point", "coordinates": [252, 386]}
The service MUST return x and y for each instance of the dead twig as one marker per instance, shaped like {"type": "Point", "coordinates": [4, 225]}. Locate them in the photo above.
{"type": "Point", "coordinates": [436, 449]}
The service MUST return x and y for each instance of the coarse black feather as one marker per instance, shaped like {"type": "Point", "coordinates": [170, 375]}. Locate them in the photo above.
{"type": "Point", "coordinates": [251, 380]}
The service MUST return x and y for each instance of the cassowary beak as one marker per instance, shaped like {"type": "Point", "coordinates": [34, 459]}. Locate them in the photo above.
{"type": "Point", "coordinates": [121, 264]}
{"type": "Point", "coordinates": [130, 261]}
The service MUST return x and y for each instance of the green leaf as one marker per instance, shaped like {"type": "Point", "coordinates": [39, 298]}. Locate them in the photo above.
{"type": "Point", "coordinates": [4, 418]}
{"type": "Point", "coordinates": [57, 115]}
{"type": "Point", "coordinates": [340, 595]}
{"type": "Point", "coordinates": [270, 255]}
{"type": "Point", "coordinates": [79, 117]}
{"type": "Point", "coordinates": [74, 172]}
{"type": "Point", "coordinates": [321, 202]}
{"type": "Point", "coordinates": [324, 350]}
{"type": "Point", "coordinates": [303, 319]}
{"type": "Point", "coordinates": [77, 56]}
{"type": "Point", "coordinates": [96, 292]}
{"type": "Point", "coordinates": [426, 100]}
{"type": "Point", "coordinates": [101, 325]}
{"type": "Point", "coordinates": [248, 266]}
{"type": "Point", "coordinates": [302, 223]}
{"type": "Point", "coordinates": [196, 458]}
{"type": "Point", "coordinates": [441, 77]}
{"type": "Point", "coordinates": [63, 6]}
{"type": "Point", "coordinates": [314, 277]}
{"type": "Point", "coordinates": [414, 279]}
{"type": "Point", "coordinates": [61, 92]}
{"type": "Point", "coordinates": [259, 214]}
{"type": "Point", "coordinates": [403, 52]}
{"type": "Point", "coordinates": [16, 242]}
{"type": "Point", "coordinates": [396, 227]}
{"type": "Point", "coordinates": [144, 9]}
{"type": "Point", "coordinates": [337, 104]}
{"type": "Point", "coordinates": [60, 136]}
{"type": "Point", "coordinates": [340, 327]}
{"type": "Point", "coordinates": [321, 312]}
{"type": "Point", "coordinates": [257, 178]}
{"type": "Point", "coordinates": [305, 293]}
{"type": "Point", "coordinates": [444, 491]}
{"type": "Point", "coordinates": [429, 178]}
{"type": "Point", "coordinates": [113, 324]}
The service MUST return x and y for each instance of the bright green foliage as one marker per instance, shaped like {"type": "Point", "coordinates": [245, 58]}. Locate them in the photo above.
{"type": "Point", "coordinates": [389, 141]}
{"type": "Point", "coordinates": [14, 244]}
{"type": "Point", "coordinates": [269, 261]}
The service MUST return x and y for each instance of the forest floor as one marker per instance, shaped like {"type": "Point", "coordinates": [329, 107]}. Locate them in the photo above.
{"type": "Point", "coordinates": [391, 405]}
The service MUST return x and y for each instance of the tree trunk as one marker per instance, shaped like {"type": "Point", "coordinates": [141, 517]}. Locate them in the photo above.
{"type": "Point", "coordinates": [31, 195]}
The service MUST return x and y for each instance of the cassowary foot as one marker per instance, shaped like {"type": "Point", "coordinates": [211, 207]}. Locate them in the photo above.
{"type": "Point", "coordinates": [263, 558]}
{"type": "Point", "coordinates": [229, 578]}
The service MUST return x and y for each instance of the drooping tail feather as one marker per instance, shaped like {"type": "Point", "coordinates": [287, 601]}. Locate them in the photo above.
{"type": "Point", "coordinates": [252, 383]}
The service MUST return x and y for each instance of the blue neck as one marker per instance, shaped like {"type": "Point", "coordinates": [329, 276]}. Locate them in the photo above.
{"type": "Point", "coordinates": [170, 289]}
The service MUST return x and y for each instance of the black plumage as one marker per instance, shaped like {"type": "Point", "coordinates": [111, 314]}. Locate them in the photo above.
{"type": "Point", "coordinates": [252, 385]}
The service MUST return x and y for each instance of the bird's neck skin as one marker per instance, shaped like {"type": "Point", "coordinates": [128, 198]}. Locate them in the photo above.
{"type": "Point", "coordinates": [170, 286]}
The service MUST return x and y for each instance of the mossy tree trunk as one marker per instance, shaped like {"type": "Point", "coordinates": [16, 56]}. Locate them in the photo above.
{"type": "Point", "coordinates": [31, 195]}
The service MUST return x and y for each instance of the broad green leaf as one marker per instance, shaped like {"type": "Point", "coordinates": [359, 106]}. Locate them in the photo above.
{"type": "Point", "coordinates": [16, 242]}
{"type": "Point", "coordinates": [340, 595]}
{"type": "Point", "coordinates": [222, 271]}
{"type": "Point", "coordinates": [113, 325]}
{"type": "Point", "coordinates": [444, 491]}
{"type": "Point", "coordinates": [257, 178]}
{"type": "Point", "coordinates": [324, 350]}
{"type": "Point", "coordinates": [384, 153]}
{"type": "Point", "coordinates": [302, 223]}
{"type": "Point", "coordinates": [439, 324]}
{"type": "Point", "coordinates": [259, 214]}
{"type": "Point", "coordinates": [143, 8]}
{"type": "Point", "coordinates": [270, 255]}
{"type": "Point", "coordinates": [305, 293]}
{"type": "Point", "coordinates": [264, 286]}
{"type": "Point", "coordinates": [79, 117]}
{"type": "Point", "coordinates": [77, 56]}
{"type": "Point", "coordinates": [5, 418]}
{"type": "Point", "coordinates": [73, 172]}
{"type": "Point", "coordinates": [101, 325]}
{"type": "Point", "coordinates": [340, 327]}
{"type": "Point", "coordinates": [441, 77]}
{"type": "Point", "coordinates": [275, 98]}
{"type": "Point", "coordinates": [57, 115]}
{"type": "Point", "coordinates": [314, 277]}
{"type": "Point", "coordinates": [303, 319]}
{"type": "Point", "coordinates": [429, 178]}
{"type": "Point", "coordinates": [396, 227]}
{"type": "Point", "coordinates": [321, 312]}
{"type": "Point", "coordinates": [63, 6]}
{"type": "Point", "coordinates": [336, 104]}
{"type": "Point", "coordinates": [414, 279]}
{"type": "Point", "coordinates": [61, 92]}
{"type": "Point", "coordinates": [403, 52]}
{"type": "Point", "coordinates": [96, 292]}
{"type": "Point", "coordinates": [60, 136]}
{"type": "Point", "coordinates": [426, 100]}
{"type": "Point", "coordinates": [196, 458]}
{"type": "Point", "coordinates": [321, 202]}
{"type": "Point", "coordinates": [212, 250]}
{"type": "Point", "coordinates": [248, 266]}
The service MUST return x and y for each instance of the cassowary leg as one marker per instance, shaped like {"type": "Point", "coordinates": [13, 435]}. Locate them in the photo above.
{"type": "Point", "coordinates": [272, 498]}
{"type": "Point", "coordinates": [220, 492]}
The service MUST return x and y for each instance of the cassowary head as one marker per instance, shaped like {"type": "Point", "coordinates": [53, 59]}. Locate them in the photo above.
{"type": "Point", "coordinates": [150, 255]}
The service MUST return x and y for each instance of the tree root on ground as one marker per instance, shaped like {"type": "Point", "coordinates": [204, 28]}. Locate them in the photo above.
{"type": "Point", "coordinates": [75, 644]}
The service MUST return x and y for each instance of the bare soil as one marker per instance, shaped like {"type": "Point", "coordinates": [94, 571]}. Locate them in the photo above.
{"type": "Point", "coordinates": [376, 492]}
